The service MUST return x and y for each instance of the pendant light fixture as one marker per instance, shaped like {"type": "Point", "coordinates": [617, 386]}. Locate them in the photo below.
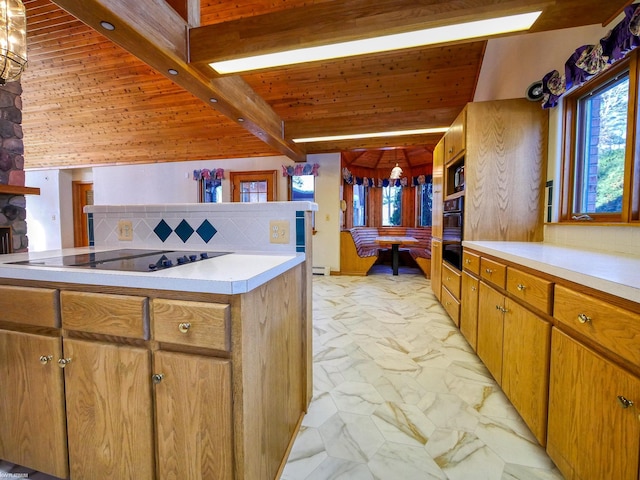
{"type": "Point", "coordinates": [13, 40]}
{"type": "Point", "coordinates": [396, 172]}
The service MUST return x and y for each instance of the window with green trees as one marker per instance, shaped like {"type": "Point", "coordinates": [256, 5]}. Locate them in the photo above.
{"type": "Point", "coordinates": [599, 184]}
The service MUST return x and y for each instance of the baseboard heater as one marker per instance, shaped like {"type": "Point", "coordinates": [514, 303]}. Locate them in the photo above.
{"type": "Point", "coordinates": [321, 270]}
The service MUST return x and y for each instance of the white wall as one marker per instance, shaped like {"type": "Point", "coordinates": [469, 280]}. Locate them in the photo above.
{"type": "Point", "coordinates": [49, 215]}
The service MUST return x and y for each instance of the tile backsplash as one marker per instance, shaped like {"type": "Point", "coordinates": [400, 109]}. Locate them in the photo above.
{"type": "Point", "coordinates": [207, 226]}
{"type": "Point", "coordinates": [612, 239]}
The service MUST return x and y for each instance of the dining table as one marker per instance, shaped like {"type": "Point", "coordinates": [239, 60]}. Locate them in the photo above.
{"type": "Point", "coordinates": [395, 242]}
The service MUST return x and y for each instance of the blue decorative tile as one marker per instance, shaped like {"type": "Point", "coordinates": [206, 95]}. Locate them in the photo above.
{"type": "Point", "coordinates": [300, 237]}
{"type": "Point", "coordinates": [92, 238]}
{"type": "Point", "coordinates": [206, 231]}
{"type": "Point", "coordinates": [162, 230]}
{"type": "Point", "coordinates": [184, 231]}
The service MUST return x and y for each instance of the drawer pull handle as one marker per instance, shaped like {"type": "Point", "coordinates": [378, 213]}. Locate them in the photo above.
{"type": "Point", "coordinates": [520, 287]}
{"type": "Point", "coordinates": [44, 359]}
{"type": "Point", "coordinates": [582, 318]}
{"type": "Point", "coordinates": [448, 279]}
{"type": "Point", "coordinates": [156, 378]}
{"type": "Point", "coordinates": [488, 270]}
{"type": "Point", "coordinates": [184, 327]}
{"type": "Point", "coordinates": [624, 402]}
{"type": "Point", "coordinates": [63, 362]}
{"type": "Point", "coordinates": [467, 261]}
{"type": "Point", "coordinates": [501, 308]}
{"type": "Point", "coordinates": [473, 288]}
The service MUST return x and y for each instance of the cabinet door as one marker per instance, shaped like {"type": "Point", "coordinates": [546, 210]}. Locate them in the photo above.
{"type": "Point", "coordinates": [591, 434]}
{"type": "Point", "coordinates": [32, 416]}
{"type": "Point", "coordinates": [525, 365]}
{"type": "Point", "coordinates": [469, 309]}
{"type": "Point", "coordinates": [490, 325]}
{"type": "Point", "coordinates": [193, 415]}
{"type": "Point", "coordinates": [110, 413]}
{"type": "Point", "coordinates": [436, 204]}
{"type": "Point", "coordinates": [454, 139]}
{"type": "Point", "coordinates": [436, 267]}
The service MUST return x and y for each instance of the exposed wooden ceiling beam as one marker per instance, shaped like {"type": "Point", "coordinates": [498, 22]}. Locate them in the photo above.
{"type": "Point", "coordinates": [156, 34]}
{"type": "Point", "coordinates": [332, 22]}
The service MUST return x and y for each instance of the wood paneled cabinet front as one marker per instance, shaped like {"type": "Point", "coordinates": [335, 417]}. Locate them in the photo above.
{"type": "Point", "coordinates": [109, 410]}
{"type": "Point", "coordinates": [436, 267]}
{"type": "Point", "coordinates": [32, 415]}
{"type": "Point", "coordinates": [514, 344]}
{"type": "Point", "coordinates": [594, 423]}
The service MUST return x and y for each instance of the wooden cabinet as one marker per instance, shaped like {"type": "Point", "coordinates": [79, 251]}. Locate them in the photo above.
{"type": "Point", "coordinates": [110, 410]}
{"type": "Point", "coordinates": [505, 170]}
{"type": "Point", "coordinates": [32, 416]}
{"type": "Point", "coordinates": [455, 139]}
{"type": "Point", "coordinates": [514, 344]}
{"type": "Point", "coordinates": [194, 431]}
{"type": "Point", "coordinates": [436, 267]}
{"type": "Point", "coordinates": [594, 430]}
{"type": "Point", "coordinates": [437, 190]}
{"type": "Point", "coordinates": [451, 282]}
{"type": "Point", "coordinates": [469, 309]}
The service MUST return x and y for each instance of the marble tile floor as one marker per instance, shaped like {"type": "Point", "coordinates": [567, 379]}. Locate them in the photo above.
{"type": "Point", "coordinates": [400, 394]}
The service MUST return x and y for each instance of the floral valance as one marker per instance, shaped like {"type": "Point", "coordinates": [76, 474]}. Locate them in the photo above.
{"type": "Point", "coordinates": [300, 169]}
{"type": "Point", "coordinates": [205, 173]}
{"type": "Point", "coordinates": [384, 182]}
{"type": "Point", "coordinates": [588, 60]}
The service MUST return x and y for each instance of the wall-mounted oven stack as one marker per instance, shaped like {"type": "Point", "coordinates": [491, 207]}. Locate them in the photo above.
{"type": "Point", "coordinates": [452, 217]}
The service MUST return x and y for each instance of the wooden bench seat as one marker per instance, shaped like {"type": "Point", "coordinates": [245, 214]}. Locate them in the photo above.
{"type": "Point", "coordinates": [359, 250]}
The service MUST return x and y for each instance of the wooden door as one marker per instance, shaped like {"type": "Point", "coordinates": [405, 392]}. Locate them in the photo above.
{"type": "Point", "coordinates": [82, 196]}
{"type": "Point", "coordinates": [110, 411]}
{"type": "Point", "coordinates": [525, 366]}
{"type": "Point", "coordinates": [591, 435]}
{"type": "Point", "coordinates": [436, 268]}
{"type": "Point", "coordinates": [253, 186]}
{"type": "Point", "coordinates": [193, 415]}
{"type": "Point", "coordinates": [32, 415]}
{"type": "Point", "coordinates": [490, 329]}
{"type": "Point", "coordinates": [469, 309]}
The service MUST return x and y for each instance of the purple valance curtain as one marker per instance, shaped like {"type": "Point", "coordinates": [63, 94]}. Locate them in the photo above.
{"type": "Point", "coordinates": [350, 179]}
{"type": "Point", "coordinates": [588, 60]}
{"type": "Point", "coordinates": [300, 169]}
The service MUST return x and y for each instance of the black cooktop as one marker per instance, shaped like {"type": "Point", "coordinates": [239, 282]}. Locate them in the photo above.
{"type": "Point", "coordinates": [127, 260]}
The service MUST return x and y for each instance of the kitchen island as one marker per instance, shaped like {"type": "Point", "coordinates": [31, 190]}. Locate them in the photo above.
{"type": "Point", "coordinates": [198, 371]}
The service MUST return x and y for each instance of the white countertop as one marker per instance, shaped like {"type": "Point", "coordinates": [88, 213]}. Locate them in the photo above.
{"type": "Point", "coordinates": [618, 275]}
{"type": "Point", "coordinates": [229, 274]}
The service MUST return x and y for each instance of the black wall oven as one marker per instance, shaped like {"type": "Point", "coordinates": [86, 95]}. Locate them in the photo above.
{"type": "Point", "coordinates": [453, 213]}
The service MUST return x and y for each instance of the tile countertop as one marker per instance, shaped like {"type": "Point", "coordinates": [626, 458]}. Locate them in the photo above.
{"type": "Point", "coordinates": [229, 274]}
{"type": "Point", "coordinates": [618, 275]}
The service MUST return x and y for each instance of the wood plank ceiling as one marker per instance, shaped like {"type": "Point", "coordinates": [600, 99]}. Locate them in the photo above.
{"type": "Point", "coordinates": [93, 97]}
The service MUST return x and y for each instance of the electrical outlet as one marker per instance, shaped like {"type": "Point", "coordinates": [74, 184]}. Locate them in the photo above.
{"type": "Point", "coordinates": [279, 231]}
{"type": "Point", "coordinates": [125, 230]}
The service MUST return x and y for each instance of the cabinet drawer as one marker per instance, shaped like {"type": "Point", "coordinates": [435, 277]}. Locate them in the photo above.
{"type": "Point", "coordinates": [197, 324]}
{"type": "Point", "coordinates": [31, 306]}
{"type": "Point", "coordinates": [493, 272]}
{"type": "Point", "coordinates": [531, 289]}
{"type": "Point", "coordinates": [451, 279]}
{"type": "Point", "coordinates": [451, 305]}
{"type": "Point", "coordinates": [616, 329]}
{"type": "Point", "coordinates": [471, 262]}
{"type": "Point", "coordinates": [119, 315]}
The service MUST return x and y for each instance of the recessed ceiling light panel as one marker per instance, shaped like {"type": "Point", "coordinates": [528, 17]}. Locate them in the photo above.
{"type": "Point", "coordinates": [355, 136]}
{"type": "Point", "coordinates": [429, 36]}
{"type": "Point", "coordinates": [107, 26]}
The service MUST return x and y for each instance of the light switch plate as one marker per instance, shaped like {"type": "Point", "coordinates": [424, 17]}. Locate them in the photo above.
{"type": "Point", "coordinates": [279, 231]}
{"type": "Point", "coordinates": [125, 230]}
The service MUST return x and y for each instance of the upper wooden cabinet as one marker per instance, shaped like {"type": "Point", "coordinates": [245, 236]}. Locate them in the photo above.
{"type": "Point", "coordinates": [505, 170]}
{"type": "Point", "coordinates": [454, 139]}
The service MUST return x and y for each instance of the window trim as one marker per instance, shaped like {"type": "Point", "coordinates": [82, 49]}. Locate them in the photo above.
{"type": "Point", "coordinates": [631, 185]}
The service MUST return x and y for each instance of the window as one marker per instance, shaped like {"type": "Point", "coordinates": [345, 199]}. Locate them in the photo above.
{"type": "Point", "coordinates": [598, 183]}
{"type": "Point", "coordinates": [302, 187]}
{"type": "Point", "coordinates": [359, 206]}
{"type": "Point", "coordinates": [425, 203]}
{"type": "Point", "coordinates": [391, 206]}
{"type": "Point", "coordinates": [210, 190]}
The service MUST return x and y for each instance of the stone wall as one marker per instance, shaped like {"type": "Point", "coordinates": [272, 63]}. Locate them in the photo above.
{"type": "Point", "coordinates": [12, 207]}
